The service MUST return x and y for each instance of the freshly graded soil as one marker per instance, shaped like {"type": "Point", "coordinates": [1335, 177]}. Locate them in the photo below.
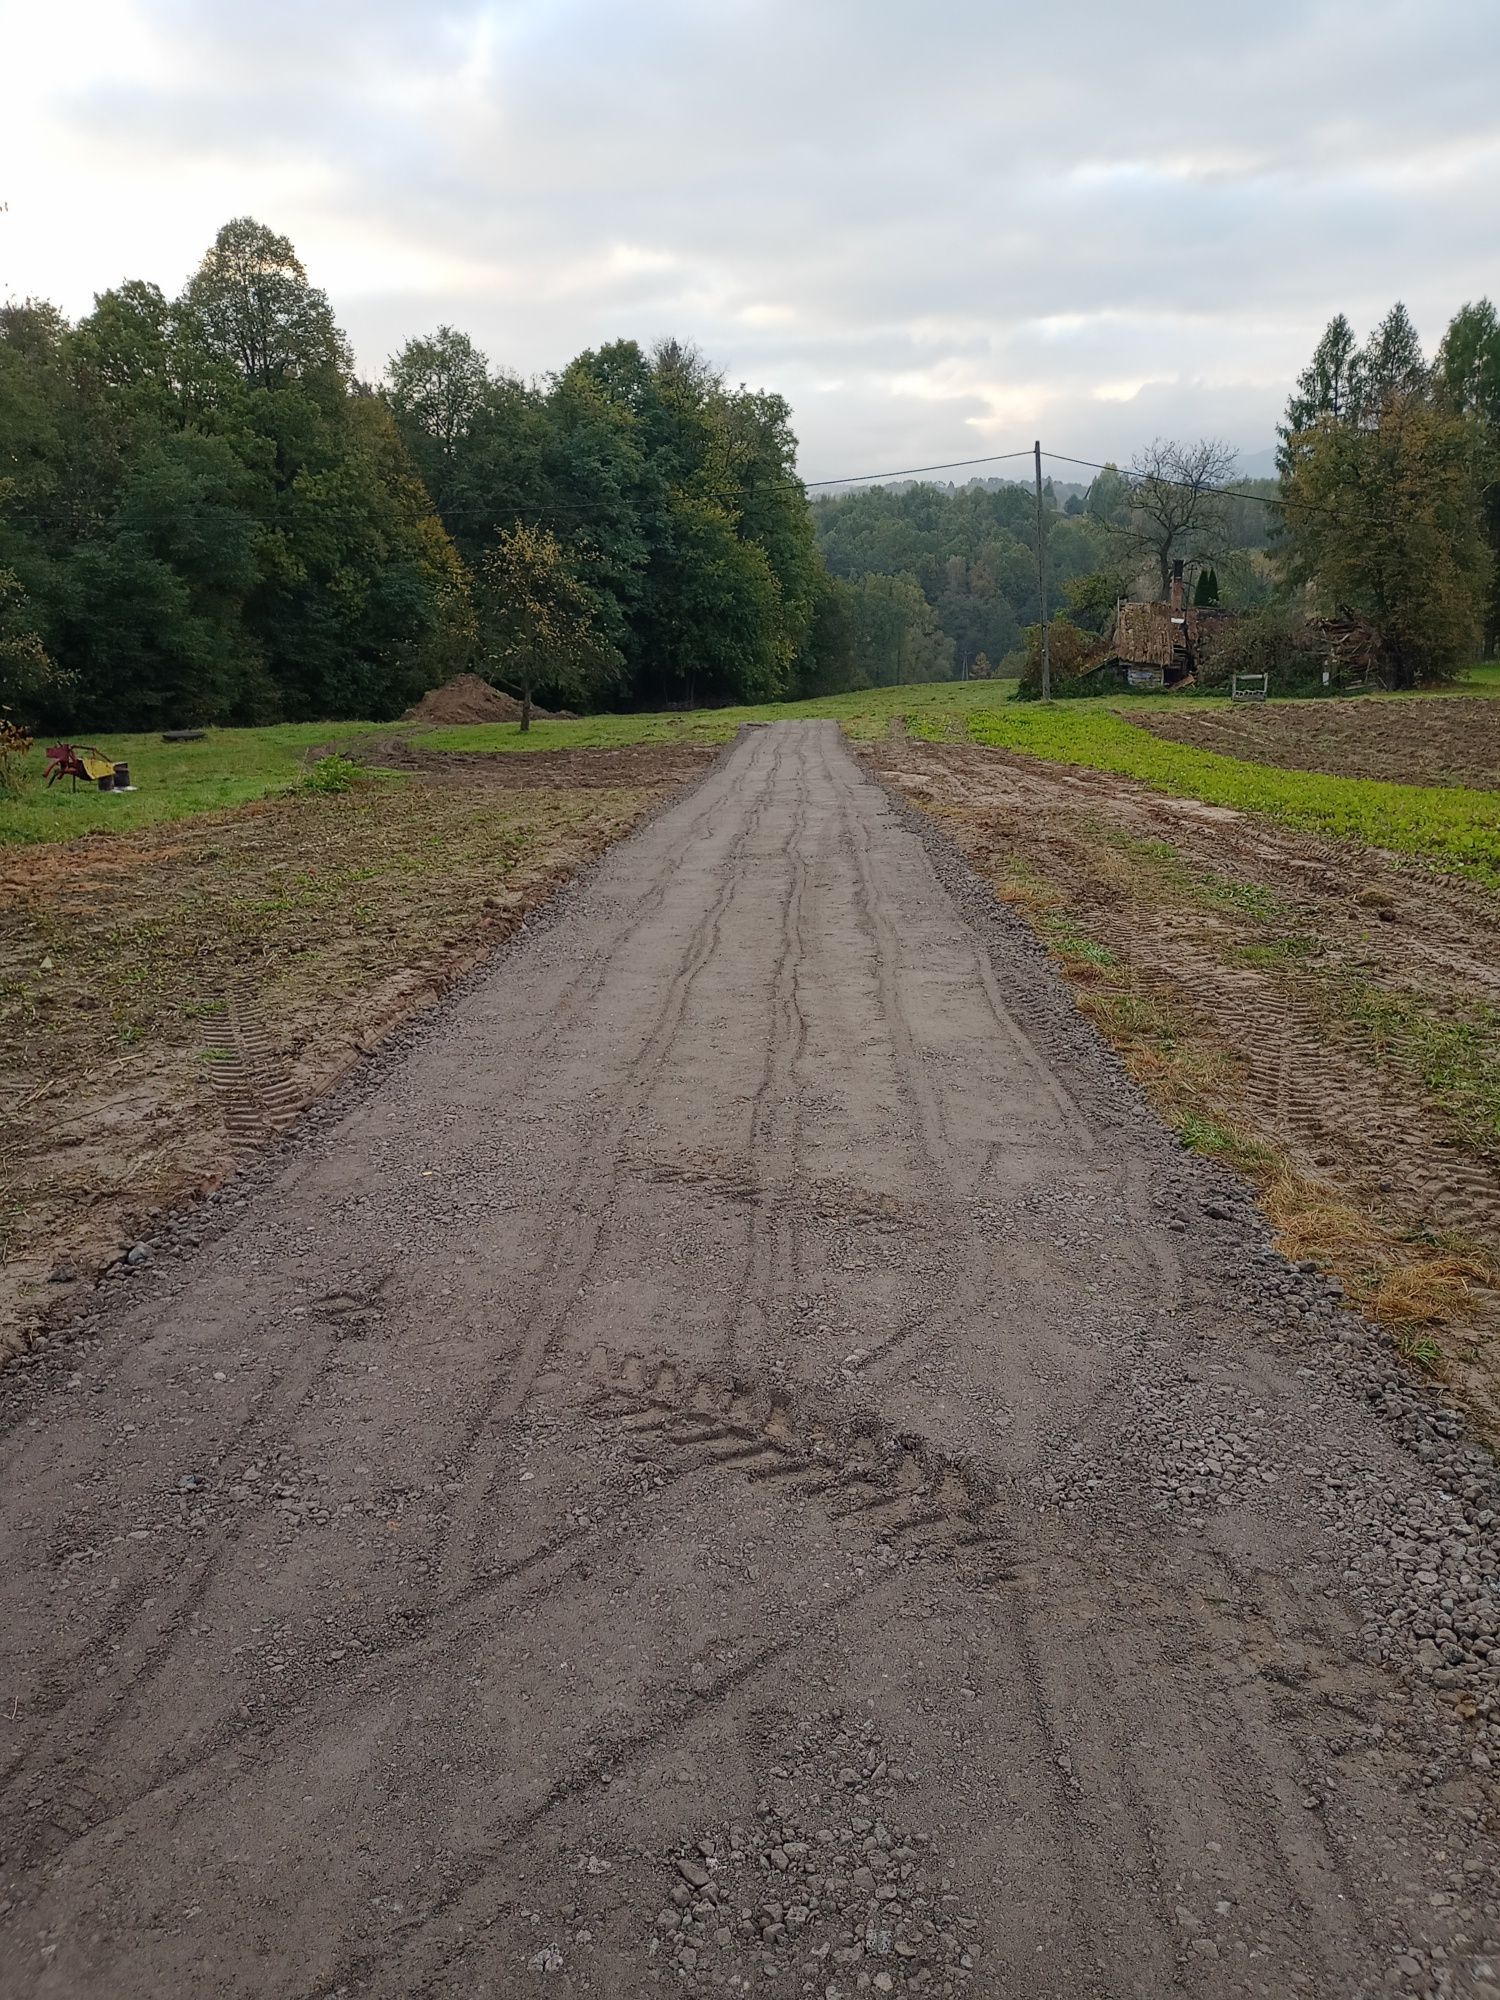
{"type": "Point", "coordinates": [743, 1459]}
{"type": "Point", "coordinates": [1455, 741]}
{"type": "Point", "coordinates": [168, 995]}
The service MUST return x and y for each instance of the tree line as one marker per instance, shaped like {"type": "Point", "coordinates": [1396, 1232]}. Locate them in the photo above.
{"type": "Point", "coordinates": [1390, 487]}
{"type": "Point", "coordinates": [206, 517]}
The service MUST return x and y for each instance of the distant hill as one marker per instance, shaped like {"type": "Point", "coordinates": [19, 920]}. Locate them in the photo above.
{"type": "Point", "coordinates": [1258, 464]}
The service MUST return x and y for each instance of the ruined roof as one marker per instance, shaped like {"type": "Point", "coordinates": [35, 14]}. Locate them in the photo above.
{"type": "Point", "coordinates": [1149, 634]}
{"type": "Point", "coordinates": [1145, 635]}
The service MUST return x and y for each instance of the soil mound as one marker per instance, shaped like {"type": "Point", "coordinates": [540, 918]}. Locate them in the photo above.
{"type": "Point", "coordinates": [464, 699]}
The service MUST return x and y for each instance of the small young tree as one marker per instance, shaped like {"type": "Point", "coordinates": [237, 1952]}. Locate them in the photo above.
{"type": "Point", "coordinates": [536, 618]}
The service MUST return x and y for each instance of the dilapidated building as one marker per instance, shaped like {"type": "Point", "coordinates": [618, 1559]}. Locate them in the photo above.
{"type": "Point", "coordinates": [1164, 645]}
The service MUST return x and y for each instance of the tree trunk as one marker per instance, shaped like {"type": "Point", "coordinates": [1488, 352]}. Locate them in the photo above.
{"type": "Point", "coordinates": [525, 708]}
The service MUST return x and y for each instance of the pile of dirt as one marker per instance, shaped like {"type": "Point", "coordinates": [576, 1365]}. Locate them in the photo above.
{"type": "Point", "coordinates": [465, 699]}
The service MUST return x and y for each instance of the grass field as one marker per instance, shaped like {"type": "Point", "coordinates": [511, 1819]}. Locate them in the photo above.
{"type": "Point", "coordinates": [230, 767]}
{"type": "Point", "coordinates": [939, 705]}
{"type": "Point", "coordinates": [1459, 829]}
{"type": "Point", "coordinates": [174, 780]}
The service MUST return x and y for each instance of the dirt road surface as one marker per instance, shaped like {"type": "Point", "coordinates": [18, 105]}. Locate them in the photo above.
{"type": "Point", "coordinates": [742, 1461]}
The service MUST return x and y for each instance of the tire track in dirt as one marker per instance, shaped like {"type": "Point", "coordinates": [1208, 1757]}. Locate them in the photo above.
{"type": "Point", "coordinates": [593, 1189]}
{"type": "Point", "coordinates": [656, 1520]}
{"type": "Point", "coordinates": [775, 1117]}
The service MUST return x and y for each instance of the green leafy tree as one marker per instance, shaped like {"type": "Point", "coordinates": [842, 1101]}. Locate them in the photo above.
{"type": "Point", "coordinates": [1385, 517]}
{"type": "Point", "coordinates": [1070, 650]}
{"type": "Point", "coordinates": [826, 663]}
{"type": "Point", "coordinates": [437, 388]}
{"type": "Point", "coordinates": [1467, 377]}
{"type": "Point", "coordinates": [27, 673]}
{"type": "Point", "coordinates": [1093, 599]}
{"type": "Point", "coordinates": [254, 308]}
{"type": "Point", "coordinates": [897, 639]}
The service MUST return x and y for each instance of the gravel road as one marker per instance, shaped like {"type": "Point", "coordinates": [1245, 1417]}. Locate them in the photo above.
{"type": "Point", "coordinates": [742, 1460]}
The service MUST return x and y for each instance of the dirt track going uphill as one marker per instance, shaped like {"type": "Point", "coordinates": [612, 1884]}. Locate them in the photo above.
{"type": "Point", "coordinates": [743, 1461]}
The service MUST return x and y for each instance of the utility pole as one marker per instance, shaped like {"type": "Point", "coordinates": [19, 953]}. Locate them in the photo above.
{"type": "Point", "coordinates": [1041, 578]}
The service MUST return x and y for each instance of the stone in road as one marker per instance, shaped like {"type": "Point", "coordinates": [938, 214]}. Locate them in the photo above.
{"type": "Point", "coordinates": [718, 1473]}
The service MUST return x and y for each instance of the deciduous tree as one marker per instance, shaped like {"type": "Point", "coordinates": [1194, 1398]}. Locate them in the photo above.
{"type": "Point", "coordinates": [1384, 517]}
{"type": "Point", "coordinates": [1177, 511]}
{"type": "Point", "coordinates": [536, 618]}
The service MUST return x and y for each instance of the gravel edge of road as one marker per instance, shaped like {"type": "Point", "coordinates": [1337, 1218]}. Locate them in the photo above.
{"type": "Point", "coordinates": [1229, 1243]}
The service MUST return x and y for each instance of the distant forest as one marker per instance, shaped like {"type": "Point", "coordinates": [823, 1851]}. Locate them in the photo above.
{"type": "Point", "coordinates": [206, 517]}
{"type": "Point", "coordinates": [942, 580]}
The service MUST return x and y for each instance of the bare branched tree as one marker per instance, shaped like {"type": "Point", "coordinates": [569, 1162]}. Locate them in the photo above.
{"type": "Point", "coordinates": [1176, 510]}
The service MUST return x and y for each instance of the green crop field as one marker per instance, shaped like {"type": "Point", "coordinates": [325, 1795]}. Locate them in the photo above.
{"type": "Point", "coordinates": [1458, 828]}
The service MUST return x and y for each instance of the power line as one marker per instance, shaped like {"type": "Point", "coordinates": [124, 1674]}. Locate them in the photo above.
{"type": "Point", "coordinates": [1129, 472]}
{"type": "Point", "coordinates": [913, 471]}
{"type": "Point", "coordinates": [1370, 519]}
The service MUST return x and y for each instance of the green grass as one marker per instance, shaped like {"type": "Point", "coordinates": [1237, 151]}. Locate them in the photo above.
{"type": "Point", "coordinates": [1448, 824]}
{"type": "Point", "coordinates": [1459, 828]}
{"type": "Point", "coordinates": [1457, 1055]}
{"type": "Point", "coordinates": [229, 767]}
{"type": "Point", "coordinates": [933, 710]}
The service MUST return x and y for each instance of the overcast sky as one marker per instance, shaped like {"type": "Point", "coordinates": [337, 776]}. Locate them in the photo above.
{"type": "Point", "coordinates": [937, 231]}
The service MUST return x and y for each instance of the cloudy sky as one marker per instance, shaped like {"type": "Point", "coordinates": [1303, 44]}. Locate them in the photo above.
{"type": "Point", "coordinates": [939, 231]}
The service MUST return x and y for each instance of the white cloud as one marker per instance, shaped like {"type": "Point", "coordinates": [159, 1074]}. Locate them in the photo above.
{"type": "Point", "coordinates": [925, 230]}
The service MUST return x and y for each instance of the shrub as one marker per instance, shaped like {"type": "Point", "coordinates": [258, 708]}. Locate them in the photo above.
{"type": "Point", "coordinates": [331, 774]}
{"type": "Point", "coordinates": [1276, 641]}
{"type": "Point", "coordinates": [1073, 651]}
{"type": "Point", "coordinates": [16, 776]}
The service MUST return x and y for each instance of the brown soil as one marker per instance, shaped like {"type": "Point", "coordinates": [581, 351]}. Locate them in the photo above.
{"type": "Point", "coordinates": [1455, 741]}
{"type": "Point", "coordinates": [169, 998]}
{"type": "Point", "coordinates": [725, 1471]}
{"type": "Point", "coordinates": [530, 770]}
{"type": "Point", "coordinates": [468, 699]}
{"type": "Point", "coordinates": [1262, 949]}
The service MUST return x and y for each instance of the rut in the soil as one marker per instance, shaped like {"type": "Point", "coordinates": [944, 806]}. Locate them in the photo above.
{"type": "Point", "coordinates": [724, 1461]}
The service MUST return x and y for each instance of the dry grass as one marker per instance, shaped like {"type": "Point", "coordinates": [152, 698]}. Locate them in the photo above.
{"type": "Point", "coordinates": [340, 913]}
{"type": "Point", "coordinates": [1212, 968]}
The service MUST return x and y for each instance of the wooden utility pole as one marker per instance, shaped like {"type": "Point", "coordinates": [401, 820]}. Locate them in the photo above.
{"type": "Point", "coordinates": [1041, 578]}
